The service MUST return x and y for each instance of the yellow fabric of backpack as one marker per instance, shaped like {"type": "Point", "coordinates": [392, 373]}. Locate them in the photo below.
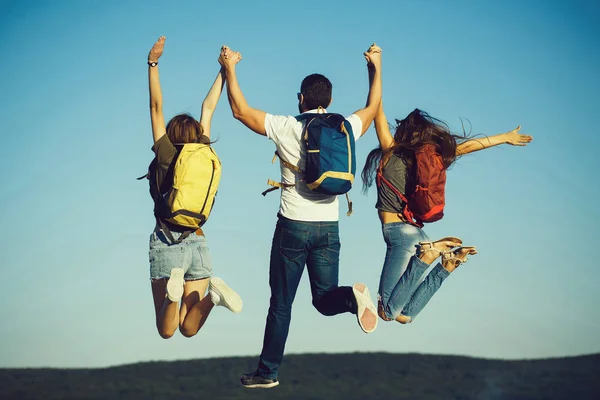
{"type": "Point", "coordinates": [196, 177]}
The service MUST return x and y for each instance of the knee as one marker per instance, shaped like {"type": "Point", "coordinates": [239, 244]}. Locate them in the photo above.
{"type": "Point", "coordinates": [187, 332]}
{"type": "Point", "coordinates": [280, 308]}
{"type": "Point", "coordinates": [166, 334]}
{"type": "Point", "coordinates": [319, 305]}
{"type": "Point", "coordinates": [319, 308]}
{"type": "Point", "coordinates": [279, 314]}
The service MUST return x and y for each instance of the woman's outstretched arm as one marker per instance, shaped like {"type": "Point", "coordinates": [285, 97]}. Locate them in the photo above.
{"type": "Point", "coordinates": [210, 102]}
{"type": "Point", "coordinates": [513, 138]}
{"type": "Point", "coordinates": [156, 113]}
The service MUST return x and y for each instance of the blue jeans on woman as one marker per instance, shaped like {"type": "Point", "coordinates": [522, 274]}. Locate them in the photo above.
{"type": "Point", "coordinates": [296, 244]}
{"type": "Point", "coordinates": [403, 287]}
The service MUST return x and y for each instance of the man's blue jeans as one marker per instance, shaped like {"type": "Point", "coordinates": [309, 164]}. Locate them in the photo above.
{"type": "Point", "coordinates": [296, 244]}
{"type": "Point", "coordinates": [403, 287]}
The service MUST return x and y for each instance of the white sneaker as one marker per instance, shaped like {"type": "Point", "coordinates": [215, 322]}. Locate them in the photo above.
{"type": "Point", "coordinates": [223, 295]}
{"type": "Point", "coordinates": [366, 313]}
{"type": "Point", "coordinates": [175, 285]}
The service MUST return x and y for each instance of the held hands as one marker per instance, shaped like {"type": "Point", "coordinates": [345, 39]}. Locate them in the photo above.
{"type": "Point", "coordinates": [157, 50]}
{"type": "Point", "coordinates": [228, 58]}
{"type": "Point", "coordinates": [514, 138]}
{"type": "Point", "coordinates": [373, 56]}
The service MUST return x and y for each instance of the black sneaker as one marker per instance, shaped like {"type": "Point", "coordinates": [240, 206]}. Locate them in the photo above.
{"type": "Point", "coordinates": [253, 380]}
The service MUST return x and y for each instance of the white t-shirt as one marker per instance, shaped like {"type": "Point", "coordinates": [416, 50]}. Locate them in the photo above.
{"type": "Point", "coordinates": [299, 202]}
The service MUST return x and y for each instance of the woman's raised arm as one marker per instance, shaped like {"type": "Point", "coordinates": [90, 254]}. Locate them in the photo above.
{"type": "Point", "coordinates": [210, 103]}
{"type": "Point", "coordinates": [214, 94]}
{"type": "Point", "coordinates": [156, 113]}
{"type": "Point", "coordinates": [383, 129]}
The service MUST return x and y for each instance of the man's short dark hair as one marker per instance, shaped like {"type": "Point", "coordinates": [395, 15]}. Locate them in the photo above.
{"type": "Point", "coordinates": [316, 90]}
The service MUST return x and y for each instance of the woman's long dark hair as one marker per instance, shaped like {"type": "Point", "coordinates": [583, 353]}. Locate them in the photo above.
{"type": "Point", "coordinates": [414, 131]}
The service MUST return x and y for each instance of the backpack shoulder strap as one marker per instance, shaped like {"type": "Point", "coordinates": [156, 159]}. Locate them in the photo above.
{"type": "Point", "coordinates": [287, 164]}
{"type": "Point", "coordinates": [276, 185]}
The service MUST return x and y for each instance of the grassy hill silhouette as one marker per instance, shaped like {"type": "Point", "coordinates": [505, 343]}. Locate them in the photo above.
{"type": "Point", "coordinates": [319, 376]}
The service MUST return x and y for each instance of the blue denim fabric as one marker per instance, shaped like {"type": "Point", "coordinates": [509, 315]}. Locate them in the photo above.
{"type": "Point", "coordinates": [192, 254]}
{"type": "Point", "coordinates": [296, 244]}
{"type": "Point", "coordinates": [403, 287]}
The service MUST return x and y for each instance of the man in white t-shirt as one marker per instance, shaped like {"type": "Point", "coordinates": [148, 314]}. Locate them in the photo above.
{"type": "Point", "coordinates": [307, 227]}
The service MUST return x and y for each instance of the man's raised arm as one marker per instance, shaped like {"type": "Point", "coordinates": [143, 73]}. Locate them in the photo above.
{"type": "Point", "coordinates": [251, 117]}
{"type": "Point", "coordinates": [368, 113]}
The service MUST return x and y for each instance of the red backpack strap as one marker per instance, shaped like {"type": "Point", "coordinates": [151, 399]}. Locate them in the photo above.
{"type": "Point", "coordinates": [406, 213]}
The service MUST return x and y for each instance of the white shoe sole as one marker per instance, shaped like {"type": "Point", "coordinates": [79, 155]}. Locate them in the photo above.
{"type": "Point", "coordinates": [175, 285]}
{"type": "Point", "coordinates": [229, 298]}
{"type": "Point", "coordinates": [364, 302]}
{"type": "Point", "coordinates": [262, 385]}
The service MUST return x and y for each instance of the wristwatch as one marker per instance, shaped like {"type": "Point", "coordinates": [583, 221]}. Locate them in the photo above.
{"type": "Point", "coordinates": [153, 63]}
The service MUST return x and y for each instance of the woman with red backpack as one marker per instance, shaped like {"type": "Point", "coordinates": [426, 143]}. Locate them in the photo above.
{"type": "Point", "coordinates": [410, 171]}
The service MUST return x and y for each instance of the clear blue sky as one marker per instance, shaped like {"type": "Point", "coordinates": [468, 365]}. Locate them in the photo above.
{"type": "Point", "coordinates": [76, 130]}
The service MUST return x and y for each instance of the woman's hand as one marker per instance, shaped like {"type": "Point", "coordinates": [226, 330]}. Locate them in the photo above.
{"type": "Point", "coordinates": [514, 138]}
{"type": "Point", "coordinates": [157, 50]}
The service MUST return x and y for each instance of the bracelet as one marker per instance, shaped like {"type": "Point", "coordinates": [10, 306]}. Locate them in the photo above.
{"type": "Point", "coordinates": [153, 63]}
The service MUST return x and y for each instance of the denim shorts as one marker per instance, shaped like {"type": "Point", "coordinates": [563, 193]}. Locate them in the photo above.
{"type": "Point", "coordinates": [191, 254]}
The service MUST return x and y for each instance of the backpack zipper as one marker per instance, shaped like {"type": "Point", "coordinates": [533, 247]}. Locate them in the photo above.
{"type": "Point", "coordinates": [343, 129]}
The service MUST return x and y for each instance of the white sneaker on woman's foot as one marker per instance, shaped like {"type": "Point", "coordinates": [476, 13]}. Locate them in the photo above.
{"type": "Point", "coordinates": [223, 295]}
{"type": "Point", "coordinates": [175, 285]}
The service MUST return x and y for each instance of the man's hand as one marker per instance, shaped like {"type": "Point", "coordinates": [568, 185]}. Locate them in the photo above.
{"type": "Point", "coordinates": [228, 58]}
{"type": "Point", "coordinates": [373, 56]}
{"type": "Point", "coordinates": [514, 138]}
{"type": "Point", "coordinates": [157, 50]}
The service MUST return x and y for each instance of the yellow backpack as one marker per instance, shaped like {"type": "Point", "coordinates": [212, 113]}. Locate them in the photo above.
{"type": "Point", "coordinates": [188, 203]}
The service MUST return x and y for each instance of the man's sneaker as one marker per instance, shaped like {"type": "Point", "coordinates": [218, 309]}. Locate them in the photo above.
{"type": "Point", "coordinates": [256, 381]}
{"type": "Point", "coordinates": [366, 313]}
{"type": "Point", "coordinates": [175, 285]}
{"type": "Point", "coordinates": [223, 295]}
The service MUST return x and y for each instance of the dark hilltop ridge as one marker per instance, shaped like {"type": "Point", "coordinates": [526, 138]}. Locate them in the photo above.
{"type": "Point", "coordinates": [359, 376]}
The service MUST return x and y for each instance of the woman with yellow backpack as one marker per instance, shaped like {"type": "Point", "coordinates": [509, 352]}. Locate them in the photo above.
{"type": "Point", "coordinates": [184, 177]}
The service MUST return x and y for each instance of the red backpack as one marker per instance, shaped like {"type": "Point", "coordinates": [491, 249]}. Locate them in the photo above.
{"type": "Point", "coordinates": [426, 203]}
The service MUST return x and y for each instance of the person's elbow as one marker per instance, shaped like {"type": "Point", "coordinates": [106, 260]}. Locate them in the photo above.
{"type": "Point", "coordinates": [208, 109]}
{"type": "Point", "coordinates": [369, 117]}
{"type": "Point", "coordinates": [240, 113]}
{"type": "Point", "coordinates": [155, 106]}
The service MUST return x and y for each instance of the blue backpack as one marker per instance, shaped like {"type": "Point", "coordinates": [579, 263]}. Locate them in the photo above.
{"type": "Point", "coordinates": [330, 157]}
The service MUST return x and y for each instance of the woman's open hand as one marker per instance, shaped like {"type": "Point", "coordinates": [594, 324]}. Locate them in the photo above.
{"type": "Point", "coordinates": [157, 50]}
{"type": "Point", "coordinates": [515, 138]}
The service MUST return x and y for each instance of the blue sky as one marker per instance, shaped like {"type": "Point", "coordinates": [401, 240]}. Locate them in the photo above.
{"type": "Point", "coordinates": [76, 132]}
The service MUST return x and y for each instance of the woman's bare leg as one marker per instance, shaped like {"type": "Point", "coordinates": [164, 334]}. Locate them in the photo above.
{"type": "Point", "coordinates": [167, 311]}
{"type": "Point", "coordinates": [195, 307]}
